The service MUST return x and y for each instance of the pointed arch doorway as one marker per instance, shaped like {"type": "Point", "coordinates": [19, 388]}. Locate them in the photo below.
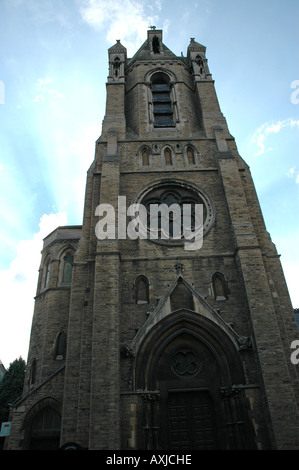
{"type": "Point", "coordinates": [188, 369]}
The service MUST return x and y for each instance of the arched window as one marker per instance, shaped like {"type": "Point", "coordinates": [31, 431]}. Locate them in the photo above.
{"type": "Point", "coordinates": [145, 157]}
{"type": "Point", "coordinates": [167, 156]}
{"type": "Point", "coordinates": [170, 195]}
{"type": "Point", "coordinates": [60, 346]}
{"type": "Point", "coordinates": [199, 62]}
{"type": "Point", "coordinates": [116, 66]}
{"type": "Point", "coordinates": [190, 156]}
{"type": "Point", "coordinates": [47, 273]}
{"type": "Point", "coordinates": [33, 372]}
{"type": "Point", "coordinates": [156, 45]}
{"type": "Point", "coordinates": [220, 290]}
{"type": "Point", "coordinates": [142, 290]}
{"type": "Point", "coordinates": [68, 260]}
{"type": "Point", "coordinates": [45, 430]}
{"type": "Point", "coordinates": [162, 105]}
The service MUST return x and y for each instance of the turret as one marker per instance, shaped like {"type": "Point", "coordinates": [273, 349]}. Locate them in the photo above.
{"type": "Point", "coordinates": [115, 104]}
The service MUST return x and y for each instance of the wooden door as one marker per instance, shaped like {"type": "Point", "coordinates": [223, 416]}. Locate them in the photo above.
{"type": "Point", "coordinates": [191, 422]}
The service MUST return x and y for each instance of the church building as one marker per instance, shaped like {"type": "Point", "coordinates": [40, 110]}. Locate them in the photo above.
{"type": "Point", "coordinates": [146, 339]}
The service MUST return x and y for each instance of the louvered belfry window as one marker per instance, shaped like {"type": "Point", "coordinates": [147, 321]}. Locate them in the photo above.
{"type": "Point", "coordinates": [162, 106]}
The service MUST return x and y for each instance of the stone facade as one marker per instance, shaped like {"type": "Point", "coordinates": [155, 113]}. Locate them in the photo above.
{"type": "Point", "coordinates": [150, 345]}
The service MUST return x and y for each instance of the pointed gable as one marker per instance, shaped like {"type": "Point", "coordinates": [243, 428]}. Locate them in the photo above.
{"type": "Point", "coordinates": [117, 47]}
{"type": "Point", "coordinates": [181, 296]}
{"type": "Point", "coordinates": [153, 48]}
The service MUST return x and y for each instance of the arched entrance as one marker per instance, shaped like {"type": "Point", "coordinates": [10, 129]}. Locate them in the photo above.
{"type": "Point", "coordinates": [192, 377]}
{"type": "Point", "coordinates": [45, 430]}
{"type": "Point", "coordinates": [42, 425]}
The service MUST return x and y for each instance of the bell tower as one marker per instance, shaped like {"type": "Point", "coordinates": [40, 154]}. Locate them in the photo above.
{"type": "Point", "coordinates": [152, 341]}
{"type": "Point", "coordinates": [155, 41]}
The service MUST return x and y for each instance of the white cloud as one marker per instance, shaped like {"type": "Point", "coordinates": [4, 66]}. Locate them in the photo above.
{"type": "Point", "coordinates": [158, 4]}
{"type": "Point", "coordinates": [45, 90]}
{"type": "Point", "coordinates": [291, 275]}
{"type": "Point", "coordinates": [18, 284]}
{"type": "Point", "coordinates": [43, 81]}
{"type": "Point", "coordinates": [293, 173]}
{"type": "Point", "coordinates": [267, 128]}
{"type": "Point", "coordinates": [124, 19]}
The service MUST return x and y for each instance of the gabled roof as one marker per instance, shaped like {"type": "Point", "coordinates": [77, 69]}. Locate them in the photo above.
{"type": "Point", "coordinates": [117, 47]}
{"type": "Point", "coordinates": [196, 45]}
{"type": "Point", "coordinates": [144, 53]}
{"type": "Point", "coordinates": [200, 306]}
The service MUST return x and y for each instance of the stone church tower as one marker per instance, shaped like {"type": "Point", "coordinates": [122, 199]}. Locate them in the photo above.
{"type": "Point", "coordinates": [142, 343]}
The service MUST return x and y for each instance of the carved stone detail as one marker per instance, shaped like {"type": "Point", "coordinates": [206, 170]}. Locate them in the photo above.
{"type": "Point", "coordinates": [149, 397]}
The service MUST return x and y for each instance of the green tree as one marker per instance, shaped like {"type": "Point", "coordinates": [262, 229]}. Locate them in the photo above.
{"type": "Point", "coordinates": [11, 386]}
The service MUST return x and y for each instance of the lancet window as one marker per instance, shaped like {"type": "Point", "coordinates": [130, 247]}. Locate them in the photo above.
{"type": "Point", "coordinates": [162, 104]}
{"type": "Point", "coordinates": [142, 290]}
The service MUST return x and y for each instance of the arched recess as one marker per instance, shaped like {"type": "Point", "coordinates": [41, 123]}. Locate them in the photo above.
{"type": "Point", "coordinates": [152, 194]}
{"type": "Point", "coordinates": [163, 112]}
{"type": "Point", "coordinates": [66, 261]}
{"type": "Point", "coordinates": [144, 156]}
{"type": "Point", "coordinates": [192, 380]}
{"type": "Point", "coordinates": [46, 271]}
{"type": "Point", "coordinates": [59, 351]}
{"type": "Point", "coordinates": [141, 290]}
{"type": "Point", "coordinates": [219, 286]}
{"type": "Point", "coordinates": [42, 425]}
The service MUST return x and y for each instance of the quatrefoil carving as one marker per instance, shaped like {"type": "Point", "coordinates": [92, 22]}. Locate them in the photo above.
{"type": "Point", "coordinates": [185, 362]}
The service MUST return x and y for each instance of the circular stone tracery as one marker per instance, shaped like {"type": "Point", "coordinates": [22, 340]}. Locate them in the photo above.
{"type": "Point", "coordinates": [171, 192]}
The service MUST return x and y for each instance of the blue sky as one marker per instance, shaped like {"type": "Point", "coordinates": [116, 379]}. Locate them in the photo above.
{"type": "Point", "coordinates": [53, 70]}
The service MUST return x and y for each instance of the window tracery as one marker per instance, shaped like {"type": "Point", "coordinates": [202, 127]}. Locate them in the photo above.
{"type": "Point", "coordinates": [176, 196]}
{"type": "Point", "coordinates": [191, 205]}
